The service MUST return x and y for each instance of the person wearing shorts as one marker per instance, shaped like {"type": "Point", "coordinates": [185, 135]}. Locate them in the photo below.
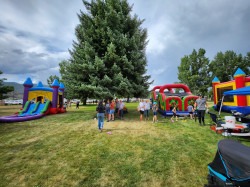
{"type": "Point", "coordinates": [112, 111]}
{"type": "Point", "coordinates": [190, 109]}
{"type": "Point", "coordinates": [174, 114]}
{"type": "Point", "coordinates": [117, 106]}
{"type": "Point", "coordinates": [154, 108]}
{"type": "Point", "coordinates": [141, 108]}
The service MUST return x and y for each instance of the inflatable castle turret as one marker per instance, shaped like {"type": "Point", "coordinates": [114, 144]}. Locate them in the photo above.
{"type": "Point", "coordinates": [215, 81]}
{"type": "Point", "coordinates": [55, 86]}
{"type": "Point", "coordinates": [27, 85]}
{"type": "Point", "coordinates": [240, 82]}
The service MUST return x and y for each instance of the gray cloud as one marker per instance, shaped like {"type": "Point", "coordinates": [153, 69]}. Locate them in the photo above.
{"type": "Point", "coordinates": [36, 35]}
{"type": "Point", "coordinates": [2, 29]}
{"type": "Point", "coordinates": [18, 51]}
{"type": "Point", "coordinates": [177, 27]}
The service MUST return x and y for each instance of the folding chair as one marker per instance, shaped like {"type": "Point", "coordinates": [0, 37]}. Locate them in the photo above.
{"type": "Point", "coordinates": [217, 122]}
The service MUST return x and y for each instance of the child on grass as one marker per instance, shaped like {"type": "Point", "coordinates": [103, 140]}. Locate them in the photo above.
{"type": "Point", "coordinates": [174, 113]}
{"type": "Point", "coordinates": [154, 108]}
{"type": "Point", "coordinates": [141, 108]}
{"type": "Point", "coordinates": [190, 109]}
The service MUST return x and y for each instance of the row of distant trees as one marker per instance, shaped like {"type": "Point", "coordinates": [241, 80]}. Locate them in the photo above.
{"type": "Point", "coordinates": [4, 90]}
{"type": "Point", "coordinates": [197, 71]}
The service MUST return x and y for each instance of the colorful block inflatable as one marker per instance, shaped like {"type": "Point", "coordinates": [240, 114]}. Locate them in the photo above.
{"type": "Point", "coordinates": [39, 101]}
{"type": "Point", "coordinates": [240, 103]}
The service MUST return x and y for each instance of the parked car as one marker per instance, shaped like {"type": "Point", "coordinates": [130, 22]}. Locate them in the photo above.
{"type": "Point", "coordinates": [13, 102]}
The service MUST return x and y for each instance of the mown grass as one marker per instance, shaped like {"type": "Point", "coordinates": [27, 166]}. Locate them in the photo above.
{"type": "Point", "coordinates": [68, 150]}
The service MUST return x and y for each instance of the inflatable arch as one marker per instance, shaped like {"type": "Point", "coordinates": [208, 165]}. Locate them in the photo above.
{"type": "Point", "coordinates": [167, 99]}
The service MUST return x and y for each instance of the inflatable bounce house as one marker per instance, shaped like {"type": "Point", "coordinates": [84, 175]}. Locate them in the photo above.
{"type": "Point", "coordinates": [234, 95]}
{"type": "Point", "coordinates": [39, 101]}
{"type": "Point", "coordinates": [166, 96]}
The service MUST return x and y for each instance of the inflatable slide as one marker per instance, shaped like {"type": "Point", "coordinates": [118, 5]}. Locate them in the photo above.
{"type": "Point", "coordinates": [31, 111]}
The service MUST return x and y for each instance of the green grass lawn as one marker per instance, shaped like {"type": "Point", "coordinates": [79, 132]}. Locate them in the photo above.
{"type": "Point", "coordinates": [68, 150]}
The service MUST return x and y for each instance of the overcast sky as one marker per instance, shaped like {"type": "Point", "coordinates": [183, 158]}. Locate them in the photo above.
{"type": "Point", "coordinates": [35, 35]}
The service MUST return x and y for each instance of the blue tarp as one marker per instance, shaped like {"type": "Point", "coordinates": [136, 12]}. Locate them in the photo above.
{"type": "Point", "coordinates": [240, 91]}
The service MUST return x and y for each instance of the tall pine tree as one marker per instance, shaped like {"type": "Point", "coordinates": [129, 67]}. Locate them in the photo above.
{"type": "Point", "coordinates": [108, 58]}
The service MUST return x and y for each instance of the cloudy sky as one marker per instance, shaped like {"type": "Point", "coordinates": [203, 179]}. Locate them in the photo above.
{"type": "Point", "coordinates": [35, 35]}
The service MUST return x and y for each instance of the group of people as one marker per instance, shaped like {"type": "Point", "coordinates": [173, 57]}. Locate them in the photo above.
{"type": "Point", "coordinates": [144, 108]}
{"type": "Point", "coordinates": [199, 107]}
{"type": "Point", "coordinates": [108, 109]}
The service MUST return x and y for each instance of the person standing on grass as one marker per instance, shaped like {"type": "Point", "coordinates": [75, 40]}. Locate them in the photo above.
{"type": "Point", "coordinates": [100, 109]}
{"type": "Point", "coordinates": [112, 111]}
{"type": "Point", "coordinates": [77, 104]}
{"type": "Point", "coordinates": [154, 109]}
{"type": "Point", "coordinates": [174, 110]}
{"type": "Point", "coordinates": [117, 106]}
{"type": "Point", "coordinates": [121, 107]}
{"type": "Point", "coordinates": [141, 108]}
{"type": "Point", "coordinates": [190, 109]}
{"type": "Point", "coordinates": [146, 111]}
{"type": "Point", "coordinates": [107, 110]}
{"type": "Point", "coordinates": [65, 105]}
{"type": "Point", "coordinates": [201, 106]}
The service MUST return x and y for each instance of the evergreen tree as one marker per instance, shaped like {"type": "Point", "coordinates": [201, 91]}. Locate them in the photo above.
{"type": "Point", "coordinates": [51, 79]}
{"type": "Point", "coordinates": [4, 89]}
{"type": "Point", "coordinates": [225, 64]}
{"type": "Point", "coordinates": [108, 57]}
{"type": "Point", "coordinates": [69, 91]}
{"type": "Point", "coordinates": [246, 64]}
{"type": "Point", "coordinates": [193, 71]}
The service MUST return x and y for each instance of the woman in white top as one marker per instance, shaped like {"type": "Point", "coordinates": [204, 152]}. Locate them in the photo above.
{"type": "Point", "coordinates": [146, 110]}
{"type": "Point", "coordinates": [141, 108]}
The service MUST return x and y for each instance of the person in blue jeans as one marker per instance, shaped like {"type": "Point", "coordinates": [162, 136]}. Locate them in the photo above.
{"type": "Point", "coordinates": [100, 109]}
{"type": "Point", "coordinates": [146, 109]}
{"type": "Point", "coordinates": [121, 108]}
{"type": "Point", "coordinates": [201, 106]}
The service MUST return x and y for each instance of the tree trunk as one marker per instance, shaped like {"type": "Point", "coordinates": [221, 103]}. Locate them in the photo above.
{"type": "Point", "coordinates": [84, 101]}
{"type": "Point", "coordinates": [127, 99]}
